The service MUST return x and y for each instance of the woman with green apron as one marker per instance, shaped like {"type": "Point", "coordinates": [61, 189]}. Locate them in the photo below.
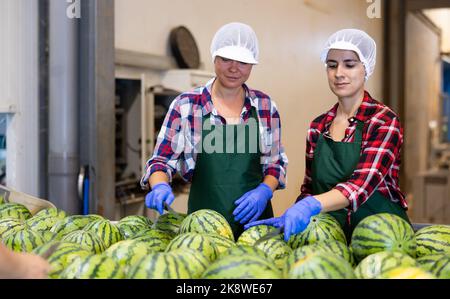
{"type": "Point", "coordinates": [223, 137]}
{"type": "Point", "coordinates": [353, 150]}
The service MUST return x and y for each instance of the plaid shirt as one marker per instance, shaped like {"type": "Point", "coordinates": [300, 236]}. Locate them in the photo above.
{"type": "Point", "coordinates": [379, 162]}
{"type": "Point", "coordinates": [181, 134]}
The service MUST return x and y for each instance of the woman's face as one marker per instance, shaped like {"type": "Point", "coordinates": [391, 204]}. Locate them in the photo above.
{"type": "Point", "coordinates": [231, 73]}
{"type": "Point", "coordinates": [345, 73]}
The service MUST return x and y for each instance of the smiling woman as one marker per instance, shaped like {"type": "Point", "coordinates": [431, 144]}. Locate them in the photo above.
{"type": "Point", "coordinates": [352, 150]}
{"type": "Point", "coordinates": [231, 174]}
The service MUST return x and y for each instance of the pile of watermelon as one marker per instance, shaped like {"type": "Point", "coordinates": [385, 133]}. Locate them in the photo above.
{"type": "Point", "coordinates": [202, 245]}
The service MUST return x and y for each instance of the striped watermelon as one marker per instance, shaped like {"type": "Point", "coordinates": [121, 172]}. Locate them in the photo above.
{"type": "Point", "coordinates": [437, 264]}
{"type": "Point", "coordinates": [156, 239]}
{"type": "Point", "coordinates": [254, 233]}
{"type": "Point", "coordinates": [277, 250]}
{"type": "Point", "coordinates": [378, 263]}
{"type": "Point", "coordinates": [72, 223]}
{"type": "Point", "coordinates": [131, 225]}
{"type": "Point", "coordinates": [433, 239]}
{"type": "Point", "coordinates": [195, 241]}
{"type": "Point", "coordinates": [128, 252]}
{"type": "Point", "coordinates": [10, 225]}
{"type": "Point", "coordinates": [51, 212]}
{"type": "Point", "coordinates": [48, 236]}
{"type": "Point", "coordinates": [86, 239]}
{"type": "Point", "coordinates": [14, 210]}
{"type": "Point", "coordinates": [322, 227]}
{"type": "Point", "coordinates": [331, 247]}
{"type": "Point", "coordinates": [64, 254]}
{"type": "Point", "coordinates": [42, 223]}
{"type": "Point", "coordinates": [320, 265]}
{"type": "Point", "coordinates": [194, 261]}
{"type": "Point", "coordinates": [382, 232]}
{"type": "Point", "coordinates": [222, 243]}
{"type": "Point", "coordinates": [407, 273]}
{"type": "Point", "coordinates": [105, 230]}
{"type": "Point", "coordinates": [160, 265]}
{"type": "Point", "coordinates": [94, 266]}
{"type": "Point", "coordinates": [169, 223]}
{"type": "Point", "coordinates": [24, 240]}
{"type": "Point", "coordinates": [240, 267]}
{"type": "Point", "coordinates": [244, 250]}
{"type": "Point", "coordinates": [206, 222]}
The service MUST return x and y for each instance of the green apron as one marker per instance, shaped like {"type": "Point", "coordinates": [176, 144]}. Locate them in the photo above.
{"type": "Point", "coordinates": [221, 178]}
{"type": "Point", "coordinates": [333, 163]}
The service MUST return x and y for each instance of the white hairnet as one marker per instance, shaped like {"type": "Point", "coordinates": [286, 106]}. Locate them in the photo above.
{"type": "Point", "coordinates": [236, 41]}
{"type": "Point", "coordinates": [354, 40]}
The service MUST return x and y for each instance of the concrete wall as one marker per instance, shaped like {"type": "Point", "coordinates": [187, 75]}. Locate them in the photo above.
{"type": "Point", "coordinates": [441, 17]}
{"type": "Point", "coordinates": [291, 35]}
{"type": "Point", "coordinates": [19, 92]}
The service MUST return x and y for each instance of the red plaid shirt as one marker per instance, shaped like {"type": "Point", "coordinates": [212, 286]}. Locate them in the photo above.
{"type": "Point", "coordinates": [379, 163]}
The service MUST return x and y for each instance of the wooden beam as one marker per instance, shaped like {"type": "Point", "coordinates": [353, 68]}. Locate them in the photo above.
{"type": "Point", "coordinates": [394, 62]}
{"type": "Point", "coordinates": [426, 4]}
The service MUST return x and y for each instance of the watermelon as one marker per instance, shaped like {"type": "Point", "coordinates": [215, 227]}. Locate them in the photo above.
{"type": "Point", "coordinates": [433, 239]}
{"type": "Point", "coordinates": [244, 250]}
{"type": "Point", "coordinates": [320, 265]}
{"type": "Point", "coordinates": [331, 247]}
{"type": "Point", "coordinates": [322, 227]}
{"type": "Point", "coordinates": [382, 232]}
{"type": "Point", "coordinates": [48, 235]}
{"type": "Point", "coordinates": [254, 233]}
{"type": "Point", "coordinates": [378, 263]}
{"type": "Point", "coordinates": [169, 223]}
{"type": "Point", "coordinates": [94, 266]}
{"type": "Point", "coordinates": [131, 225]}
{"type": "Point", "coordinates": [105, 230]}
{"type": "Point", "coordinates": [86, 239]}
{"type": "Point", "coordinates": [51, 212]}
{"type": "Point", "coordinates": [42, 223]}
{"type": "Point", "coordinates": [195, 241]}
{"type": "Point", "coordinates": [407, 273]}
{"type": "Point", "coordinates": [156, 239]}
{"type": "Point", "coordinates": [241, 267]}
{"type": "Point", "coordinates": [160, 265]}
{"type": "Point", "coordinates": [72, 223]}
{"type": "Point", "coordinates": [10, 225]}
{"type": "Point", "coordinates": [277, 250]}
{"type": "Point", "coordinates": [206, 222]}
{"type": "Point", "coordinates": [222, 243]}
{"type": "Point", "coordinates": [195, 262]}
{"type": "Point", "coordinates": [64, 254]}
{"type": "Point", "coordinates": [128, 252]}
{"type": "Point", "coordinates": [14, 210]}
{"type": "Point", "coordinates": [24, 240]}
{"type": "Point", "coordinates": [437, 264]}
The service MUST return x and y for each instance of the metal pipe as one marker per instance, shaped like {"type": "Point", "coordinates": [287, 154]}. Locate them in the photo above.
{"type": "Point", "coordinates": [63, 108]}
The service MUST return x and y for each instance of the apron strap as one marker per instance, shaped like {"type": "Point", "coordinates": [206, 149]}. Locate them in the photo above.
{"type": "Point", "coordinates": [358, 139]}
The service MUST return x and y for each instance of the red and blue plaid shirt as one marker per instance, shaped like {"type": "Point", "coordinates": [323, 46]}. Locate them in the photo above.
{"type": "Point", "coordinates": [181, 134]}
{"type": "Point", "coordinates": [379, 162]}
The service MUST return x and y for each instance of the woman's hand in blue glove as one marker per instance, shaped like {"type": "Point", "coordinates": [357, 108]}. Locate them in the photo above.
{"type": "Point", "coordinates": [161, 192]}
{"type": "Point", "coordinates": [252, 204]}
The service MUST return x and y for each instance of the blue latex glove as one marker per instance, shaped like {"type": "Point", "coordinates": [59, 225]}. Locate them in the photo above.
{"type": "Point", "coordinates": [295, 219]}
{"type": "Point", "coordinates": [251, 205]}
{"type": "Point", "coordinates": [161, 192]}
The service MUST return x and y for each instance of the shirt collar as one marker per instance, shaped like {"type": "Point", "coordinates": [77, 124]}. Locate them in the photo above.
{"type": "Point", "coordinates": [207, 105]}
{"type": "Point", "coordinates": [365, 110]}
